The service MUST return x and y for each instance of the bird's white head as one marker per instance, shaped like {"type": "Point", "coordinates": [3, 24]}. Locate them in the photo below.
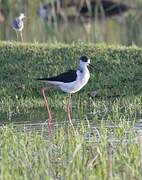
{"type": "Point", "coordinates": [22, 16]}
{"type": "Point", "coordinates": [84, 61]}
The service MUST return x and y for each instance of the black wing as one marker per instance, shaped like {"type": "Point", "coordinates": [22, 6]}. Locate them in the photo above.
{"type": "Point", "coordinates": [66, 77]}
{"type": "Point", "coordinates": [17, 23]}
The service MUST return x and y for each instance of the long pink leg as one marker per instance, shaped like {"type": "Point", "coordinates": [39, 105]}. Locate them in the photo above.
{"type": "Point", "coordinates": [69, 111]}
{"type": "Point", "coordinates": [17, 35]}
{"type": "Point", "coordinates": [48, 110]}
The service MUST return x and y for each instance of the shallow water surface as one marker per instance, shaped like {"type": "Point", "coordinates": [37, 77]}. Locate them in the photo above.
{"type": "Point", "coordinates": [37, 121]}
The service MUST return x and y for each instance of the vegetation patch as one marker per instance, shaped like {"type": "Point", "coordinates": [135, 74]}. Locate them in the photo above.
{"type": "Point", "coordinates": [64, 155]}
{"type": "Point", "coordinates": [117, 74]}
{"type": "Point", "coordinates": [109, 150]}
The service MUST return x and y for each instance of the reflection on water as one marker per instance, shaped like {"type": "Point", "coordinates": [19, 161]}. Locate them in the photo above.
{"type": "Point", "coordinates": [138, 125]}
{"type": "Point", "coordinates": [125, 29]}
{"type": "Point", "coordinates": [37, 120]}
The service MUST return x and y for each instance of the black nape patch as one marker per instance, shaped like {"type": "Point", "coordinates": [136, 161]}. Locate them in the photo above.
{"type": "Point", "coordinates": [84, 58]}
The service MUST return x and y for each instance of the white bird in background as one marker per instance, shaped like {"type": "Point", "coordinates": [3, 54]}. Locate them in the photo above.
{"type": "Point", "coordinates": [18, 25]}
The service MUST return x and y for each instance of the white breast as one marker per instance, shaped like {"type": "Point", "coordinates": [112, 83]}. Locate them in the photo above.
{"type": "Point", "coordinates": [22, 26]}
{"type": "Point", "coordinates": [81, 81]}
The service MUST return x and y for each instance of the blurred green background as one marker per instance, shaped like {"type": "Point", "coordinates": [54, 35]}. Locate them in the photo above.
{"type": "Point", "coordinates": [123, 29]}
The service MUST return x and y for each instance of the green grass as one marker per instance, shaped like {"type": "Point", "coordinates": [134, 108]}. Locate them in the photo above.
{"type": "Point", "coordinates": [117, 74]}
{"type": "Point", "coordinates": [66, 155]}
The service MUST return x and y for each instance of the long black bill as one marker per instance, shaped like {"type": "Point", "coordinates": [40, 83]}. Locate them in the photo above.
{"type": "Point", "coordinates": [90, 65]}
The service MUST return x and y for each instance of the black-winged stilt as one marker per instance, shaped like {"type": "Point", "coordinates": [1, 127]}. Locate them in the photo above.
{"type": "Point", "coordinates": [18, 25]}
{"type": "Point", "coordinates": [69, 82]}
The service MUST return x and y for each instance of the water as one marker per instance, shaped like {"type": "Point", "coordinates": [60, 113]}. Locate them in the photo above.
{"type": "Point", "coordinates": [124, 29]}
{"type": "Point", "coordinates": [36, 120]}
